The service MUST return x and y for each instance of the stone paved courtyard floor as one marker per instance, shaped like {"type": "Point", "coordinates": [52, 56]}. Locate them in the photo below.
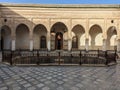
{"type": "Point", "coordinates": [59, 78]}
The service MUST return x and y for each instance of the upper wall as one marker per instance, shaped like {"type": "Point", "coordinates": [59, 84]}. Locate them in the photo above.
{"type": "Point", "coordinates": [70, 15]}
{"type": "Point", "coordinates": [61, 11]}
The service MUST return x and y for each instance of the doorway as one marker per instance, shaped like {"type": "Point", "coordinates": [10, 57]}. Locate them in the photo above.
{"type": "Point", "coordinates": [2, 43]}
{"type": "Point", "coordinates": [59, 41]}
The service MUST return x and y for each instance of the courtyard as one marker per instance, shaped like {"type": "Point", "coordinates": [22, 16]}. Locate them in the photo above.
{"type": "Point", "coordinates": [59, 77]}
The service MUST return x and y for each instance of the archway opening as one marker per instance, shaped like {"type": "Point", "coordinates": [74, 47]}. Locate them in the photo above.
{"type": "Point", "coordinates": [78, 42]}
{"type": "Point", "coordinates": [5, 38]}
{"type": "Point", "coordinates": [112, 38]}
{"type": "Point", "coordinates": [96, 37]}
{"type": "Point", "coordinates": [22, 37]}
{"type": "Point", "coordinates": [59, 36]}
{"type": "Point", "coordinates": [39, 36]}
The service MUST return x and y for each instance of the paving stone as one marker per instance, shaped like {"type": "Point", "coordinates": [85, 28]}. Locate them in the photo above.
{"type": "Point", "coordinates": [31, 88]}
{"type": "Point", "coordinates": [27, 85]}
{"type": "Point", "coordinates": [45, 88]}
{"type": "Point", "coordinates": [59, 82]}
{"type": "Point", "coordinates": [3, 88]}
{"type": "Point", "coordinates": [60, 88]}
{"type": "Point", "coordinates": [59, 78]}
{"type": "Point", "coordinates": [40, 85]}
{"type": "Point", "coordinates": [16, 88]}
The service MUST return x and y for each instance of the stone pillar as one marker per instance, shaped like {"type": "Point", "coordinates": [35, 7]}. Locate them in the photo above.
{"type": "Point", "coordinates": [69, 44]}
{"type": "Point", "coordinates": [87, 44]}
{"type": "Point", "coordinates": [118, 45]}
{"type": "Point", "coordinates": [104, 45]}
{"type": "Point", "coordinates": [31, 44]}
{"type": "Point", "coordinates": [13, 45]}
{"type": "Point", "coordinates": [48, 41]}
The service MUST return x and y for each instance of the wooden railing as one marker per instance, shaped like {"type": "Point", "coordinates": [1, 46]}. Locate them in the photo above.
{"type": "Point", "coordinates": [58, 57]}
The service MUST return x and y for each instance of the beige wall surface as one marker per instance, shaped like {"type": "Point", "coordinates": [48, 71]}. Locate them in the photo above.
{"type": "Point", "coordinates": [101, 18]}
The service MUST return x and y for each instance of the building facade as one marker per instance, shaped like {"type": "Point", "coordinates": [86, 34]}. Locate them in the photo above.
{"type": "Point", "coordinates": [62, 27]}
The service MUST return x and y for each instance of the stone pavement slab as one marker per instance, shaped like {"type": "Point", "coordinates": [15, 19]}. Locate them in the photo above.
{"type": "Point", "coordinates": [59, 78]}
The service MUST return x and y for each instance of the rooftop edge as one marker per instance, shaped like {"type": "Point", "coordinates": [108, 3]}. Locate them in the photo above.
{"type": "Point", "coordinates": [61, 5]}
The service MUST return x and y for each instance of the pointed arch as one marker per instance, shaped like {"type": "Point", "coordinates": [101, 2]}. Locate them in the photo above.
{"type": "Point", "coordinates": [111, 38]}
{"type": "Point", "coordinates": [22, 37]}
{"type": "Point", "coordinates": [96, 35]}
{"type": "Point", "coordinates": [61, 29]}
{"type": "Point", "coordinates": [5, 37]}
{"type": "Point", "coordinates": [78, 31]}
{"type": "Point", "coordinates": [39, 37]}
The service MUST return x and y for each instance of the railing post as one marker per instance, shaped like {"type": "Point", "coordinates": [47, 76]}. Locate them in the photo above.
{"type": "Point", "coordinates": [11, 63]}
{"type": "Point", "coordinates": [80, 57]}
{"type": "Point", "coordinates": [59, 57]}
{"type": "Point", "coordinates": [71, 57]}
{"type": "Point", "coordinates": [115, 55]}
{"type": "Point", "coordinates": [2, 56]}
{"type": "Point", "coordinates": [106, 58]}
{"type": "Point", "coordinates": [98, 52]}
{"type": "Point", "coordinates": [37, 62]}
{"type": "Point", "coordinates": [48, 60]}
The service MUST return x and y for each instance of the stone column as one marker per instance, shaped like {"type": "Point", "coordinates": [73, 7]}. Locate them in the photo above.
{"type": "Point", "coordinates": [87, 44]}
{"type": "Point", "coordinates": [48, 41]}
{"type": "Point", "coordinates": [69, 40]}
{"type": "Point", "coordinates": [118, 45]}
{"type": "Point", "coordinates": [104, 45]}
{"type": "Point", "coordinates": [31, 44]}
{"type": "Point", "coordinates": [13, 44]}
{"type": "Point", "coordinates": [69, 44]}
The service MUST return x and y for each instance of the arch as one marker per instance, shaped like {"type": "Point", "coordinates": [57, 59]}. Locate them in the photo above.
{"type": "Point", "coordinates": [40, 26]}
{"type": "Point", "coordinates": [95, 33]}
{"type": "Point", "coordinates": [5, 37]}
{"type": "Point", "coordinates": [22, 37]}
{"type": "Point", "coordinates": [39, 31]}
{"type": "Point", "coordinates": [78, 31]}
{"type": "Point", "coordinates": [59, 27]}
{"type": "Point", "coordinates": [111, 38]}
{"type": "Point", "coordinates": [62, 29]}
{"type": "Point", "coordinates": [61, 22]}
